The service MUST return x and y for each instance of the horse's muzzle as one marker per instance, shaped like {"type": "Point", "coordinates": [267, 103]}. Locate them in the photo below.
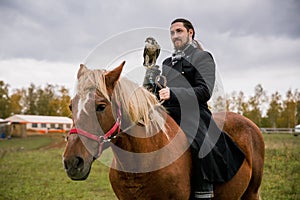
{"type": "Point", "coordinates": [76, 168]}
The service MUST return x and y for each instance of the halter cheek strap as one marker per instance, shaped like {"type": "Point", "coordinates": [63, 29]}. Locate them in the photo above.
{"type": "Point", "coordinates": [113, 132]}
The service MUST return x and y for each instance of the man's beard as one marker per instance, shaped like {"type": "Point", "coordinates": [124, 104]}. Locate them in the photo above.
{"type": "Point", "coordinates": [183, 45]}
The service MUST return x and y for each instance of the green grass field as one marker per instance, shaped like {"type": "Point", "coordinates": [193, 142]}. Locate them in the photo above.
{"type": "Point", "coordinates": [281, 180]}
{"type": "Point", "coordinates": [29, 170]}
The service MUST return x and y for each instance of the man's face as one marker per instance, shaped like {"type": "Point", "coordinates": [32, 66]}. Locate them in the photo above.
{"type": "Point", "coordinates": [180, 36]}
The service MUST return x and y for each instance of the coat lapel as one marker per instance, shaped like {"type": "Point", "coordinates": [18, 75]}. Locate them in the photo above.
{"type": "Point", "coordinates": [172, 71]}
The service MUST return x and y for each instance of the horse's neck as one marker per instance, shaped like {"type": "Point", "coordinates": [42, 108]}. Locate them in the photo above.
{"type": "Point", "coordinates": [130, 147]}
{"type": "Point", "coordinates": [132, 150]}
{"type": "Point", "coordinates": [136, 140]}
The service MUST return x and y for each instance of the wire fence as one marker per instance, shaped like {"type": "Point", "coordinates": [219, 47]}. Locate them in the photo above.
{"type": "Point", "coordinates": [294, 131]}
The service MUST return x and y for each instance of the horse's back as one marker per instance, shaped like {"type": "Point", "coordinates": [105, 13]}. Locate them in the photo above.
{"type": "Point", "coordinates": [249, 138]}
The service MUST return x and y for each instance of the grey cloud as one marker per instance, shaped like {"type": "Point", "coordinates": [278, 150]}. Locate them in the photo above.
{"type": "Point", "coordinates": [67, 30]}
{"type": "Point", "coordinates": [280, 18]}
{"type": "Point", "coordinates": [62, 30]}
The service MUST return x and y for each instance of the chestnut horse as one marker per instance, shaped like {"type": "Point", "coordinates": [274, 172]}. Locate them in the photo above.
{"type": "Point", "coordinates": [152, 159]}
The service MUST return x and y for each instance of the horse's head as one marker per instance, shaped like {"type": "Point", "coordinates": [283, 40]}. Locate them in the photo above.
{"type": "Point", "coordinates": [94, 120]}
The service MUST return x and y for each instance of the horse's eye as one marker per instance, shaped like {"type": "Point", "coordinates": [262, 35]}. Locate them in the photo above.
{"type": "Point", "coordinates": [100, 107]}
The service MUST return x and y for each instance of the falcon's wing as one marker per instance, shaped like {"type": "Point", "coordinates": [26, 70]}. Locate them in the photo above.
{"type": "Point", "coordinates": [157, 52]}
{"type": "Point", "coordinates": [145, 51]}
{"type": "Point", "coordinates": [144, 55]}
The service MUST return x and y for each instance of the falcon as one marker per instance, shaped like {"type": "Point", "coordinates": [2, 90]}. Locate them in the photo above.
{"type": "Point", "coordinates": [151, 52]}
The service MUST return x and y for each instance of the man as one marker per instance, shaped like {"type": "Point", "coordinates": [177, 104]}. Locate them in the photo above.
{"type": "Point", "coordinates": [190, 74]}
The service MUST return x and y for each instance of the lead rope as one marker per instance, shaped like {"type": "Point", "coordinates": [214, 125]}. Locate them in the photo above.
{"type": "Point", "coordinates": [164, 84]}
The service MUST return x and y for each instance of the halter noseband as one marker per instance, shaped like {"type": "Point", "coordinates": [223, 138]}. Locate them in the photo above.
{"type": "Point", "coordinates": [113, 132]}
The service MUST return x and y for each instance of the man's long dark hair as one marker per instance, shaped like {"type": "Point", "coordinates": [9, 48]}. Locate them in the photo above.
{"type": "Point", "coordinates": [188, 25]}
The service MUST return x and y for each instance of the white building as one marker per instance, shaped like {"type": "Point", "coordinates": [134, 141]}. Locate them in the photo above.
{"type": "Point", "coordinates": [297, 128]}
{"type": "Point", "coordinates": [38, 124]}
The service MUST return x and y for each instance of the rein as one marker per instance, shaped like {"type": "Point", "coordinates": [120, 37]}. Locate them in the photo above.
{"type": "Point", "coordinates": [161, 86]}
{"type": "Point", "coordinates": [158, 79]}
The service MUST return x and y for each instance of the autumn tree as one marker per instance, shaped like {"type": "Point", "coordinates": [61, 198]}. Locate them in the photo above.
{"type": "Point", "coordinates": [30, 98]}
{"type": "Point", "coordinates": [256, 103]}
{"type": "Point", "coordinates": [241, 104]}
{"type": "Point", "coordinates": [289, 114]}
{"type": "Point", "coordinates": [231, 102]}
{"type": "Point", "coordinates": [16, 101]}
{"type": "Point", "coordinates": [5, 108]}
{"type": "Point", "coordinates": [274, 110]}
{"type": "Point", "coordinates": [297, 99]}
{"type": "Point", "coordinates": [44, 98]}
{"type": "Point", "coordinates": [218, 104]}
{"type": "Point", "coordinates": [64, 102]}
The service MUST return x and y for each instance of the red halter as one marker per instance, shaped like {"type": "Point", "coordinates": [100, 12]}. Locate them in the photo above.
{"type": "Point", "coordinates": [102, 138]}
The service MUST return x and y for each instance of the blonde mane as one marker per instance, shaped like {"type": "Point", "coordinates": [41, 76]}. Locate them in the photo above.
{"type": "Point", "coordinates": [136, 102]}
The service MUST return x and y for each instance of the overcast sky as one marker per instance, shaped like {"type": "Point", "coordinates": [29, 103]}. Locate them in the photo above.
{"type": "Point", "coordinates": [253, 41]}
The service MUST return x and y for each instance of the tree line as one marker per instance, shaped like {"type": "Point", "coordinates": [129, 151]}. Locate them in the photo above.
{"type": "Point", "coordinates": [270, 111]}
{"type": "Point", "coordinates": [50, 100]}
{"type": "Point", "coordinates": [275, 110]}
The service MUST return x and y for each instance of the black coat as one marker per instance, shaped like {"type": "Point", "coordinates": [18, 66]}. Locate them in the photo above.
{"type": "Point", "coordinates": [191, 81]}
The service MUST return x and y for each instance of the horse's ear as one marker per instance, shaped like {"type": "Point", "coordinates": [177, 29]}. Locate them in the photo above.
{"type": "Point", "coordinates": [111, 77]}
{"type": "Point", "coordinates": [81, 70]}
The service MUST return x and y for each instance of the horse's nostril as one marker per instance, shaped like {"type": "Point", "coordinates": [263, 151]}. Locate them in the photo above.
{"type": "Point", "coordinates": [78, 162]}
{"type": "Point", "coordinates": [73, 164]}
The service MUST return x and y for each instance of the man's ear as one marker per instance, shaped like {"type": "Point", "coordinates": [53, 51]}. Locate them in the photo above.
{"type": "Point", "coordinates": [81, 70]}
{"type": "Point", "coordinates": [111, 77]}
{"type": "Point", "coordinates": [191, 32]}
